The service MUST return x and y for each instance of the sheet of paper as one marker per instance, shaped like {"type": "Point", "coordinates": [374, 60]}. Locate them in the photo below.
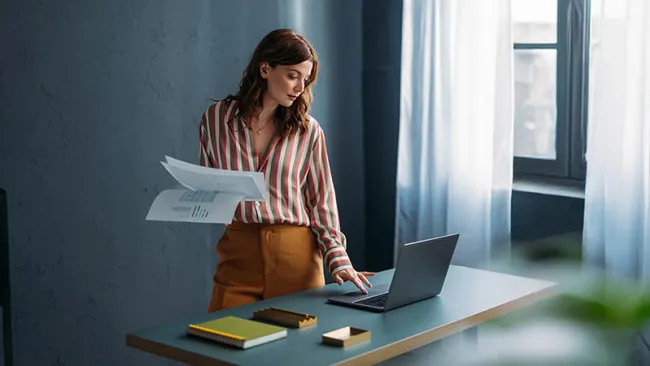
{"type": "Point", "coordinates": [195, 177]}
{"type": "Point", "coordinates": [194, 206]}
{"type": "Point", "coordinates": [169, 170]}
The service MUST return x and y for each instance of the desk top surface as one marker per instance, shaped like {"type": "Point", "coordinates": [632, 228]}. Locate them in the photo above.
{"type": "Point", "coordinates": [469, 297]}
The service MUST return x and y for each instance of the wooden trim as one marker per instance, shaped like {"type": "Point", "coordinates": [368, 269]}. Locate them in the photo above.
{"type": "Point", "coordinates": [173, 353]}
{"type": "Point", "coordinates": [408, 344]}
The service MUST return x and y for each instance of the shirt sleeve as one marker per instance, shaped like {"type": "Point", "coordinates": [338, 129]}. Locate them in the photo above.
{"type": "Point", "coordinates": [205, 150]}
{"type": "Point", "coordinates": [323, 209]}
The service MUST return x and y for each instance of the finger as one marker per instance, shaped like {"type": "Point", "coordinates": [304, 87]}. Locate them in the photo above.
{"type": "Point", "coordinates": [364, 279]}
{"type": "Point", "coordinates": [357, 282]}
{"type": "Point", "coordinates": [367, 274]}
{"type": "Point", "coordinates": [337, 278]}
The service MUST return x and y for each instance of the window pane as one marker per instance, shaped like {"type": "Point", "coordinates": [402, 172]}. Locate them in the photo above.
{"type": "Point", "coordinates": [535, 105]}
{"type": "Point", "coordinates": [534, 21]}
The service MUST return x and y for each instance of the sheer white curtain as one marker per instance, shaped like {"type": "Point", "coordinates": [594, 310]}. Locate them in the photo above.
{"type": "Point", "coordinates": [456, 125]}
{"type": "Point", "coordinates": [617, 202]}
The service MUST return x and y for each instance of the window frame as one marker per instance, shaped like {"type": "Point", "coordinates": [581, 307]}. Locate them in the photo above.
{"type": "Point", "coordinates": [572, 68]}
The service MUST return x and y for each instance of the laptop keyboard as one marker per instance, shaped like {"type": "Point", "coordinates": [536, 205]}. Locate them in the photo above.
{"type": "Point", "coordinates": [377, 301]}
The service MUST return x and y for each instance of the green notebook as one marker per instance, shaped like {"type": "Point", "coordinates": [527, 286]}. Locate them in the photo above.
{"type": "Point", "coordinates": [238, 332]}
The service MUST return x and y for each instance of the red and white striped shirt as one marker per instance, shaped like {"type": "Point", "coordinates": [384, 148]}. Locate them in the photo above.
{"type": "Point", "coordinates": [296, 170]}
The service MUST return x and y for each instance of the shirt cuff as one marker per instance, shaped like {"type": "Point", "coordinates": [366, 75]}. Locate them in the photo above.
{"type": "Point", "coordinates": [337, 259]}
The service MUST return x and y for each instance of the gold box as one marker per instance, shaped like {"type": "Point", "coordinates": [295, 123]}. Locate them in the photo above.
{"type": "Point", "coordinates": [285, 317]}
{"type": "Point", "coordinates": [346, 336]}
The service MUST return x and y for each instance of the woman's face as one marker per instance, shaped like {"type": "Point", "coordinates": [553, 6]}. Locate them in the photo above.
{"type": "Point", "coordinates": [286, 82]}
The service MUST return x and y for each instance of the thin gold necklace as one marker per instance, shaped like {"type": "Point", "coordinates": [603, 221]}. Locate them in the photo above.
{"type": "Point", "coordinates": [259, 130]}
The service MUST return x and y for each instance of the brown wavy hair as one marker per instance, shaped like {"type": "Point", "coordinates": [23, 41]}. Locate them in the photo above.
{"type": "Point", "coordinates": [279, 47]}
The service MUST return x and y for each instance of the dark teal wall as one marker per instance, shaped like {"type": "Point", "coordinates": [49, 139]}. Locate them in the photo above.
{"type": "Point", "coordinates": [539, 216]}
{"type": "Point", "coordinates": [94, 94]}
{"type": "Point", "coordinates": [382, 26]}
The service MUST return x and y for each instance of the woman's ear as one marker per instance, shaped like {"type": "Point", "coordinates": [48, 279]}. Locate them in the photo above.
{"type": "Point", "coordinates": [264, 69]}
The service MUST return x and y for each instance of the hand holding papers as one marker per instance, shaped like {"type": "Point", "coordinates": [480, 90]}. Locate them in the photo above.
{"type": "Point", "coordinates": [212, 195]}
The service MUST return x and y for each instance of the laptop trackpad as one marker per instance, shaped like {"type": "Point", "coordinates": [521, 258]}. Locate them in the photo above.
{"type": "Point", "coordinates": [357, 295]}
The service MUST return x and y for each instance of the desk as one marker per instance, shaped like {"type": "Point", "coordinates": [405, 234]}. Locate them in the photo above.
{"type": "Point", "coordinates": [470, 297]}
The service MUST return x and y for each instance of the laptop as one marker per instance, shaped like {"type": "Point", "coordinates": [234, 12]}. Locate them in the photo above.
{"type": "Point", "coordinates": [420, 274]}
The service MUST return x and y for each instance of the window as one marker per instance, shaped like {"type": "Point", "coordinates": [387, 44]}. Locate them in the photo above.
{"type": "Point", "coordinates": [550, 72]}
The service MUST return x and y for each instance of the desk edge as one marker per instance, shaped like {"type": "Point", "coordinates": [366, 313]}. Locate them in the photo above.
{"type": "Point", "coordinates": [176, 354]}
{"type": "Point", "coordinates": [407, 344]}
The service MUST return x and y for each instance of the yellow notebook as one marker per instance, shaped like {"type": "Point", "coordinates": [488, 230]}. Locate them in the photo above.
{"type": "Point", "coordinates": [238, 332]}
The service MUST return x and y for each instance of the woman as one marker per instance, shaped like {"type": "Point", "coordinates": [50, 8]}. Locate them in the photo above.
{"type": "Point", "coordinates": [276, 247]}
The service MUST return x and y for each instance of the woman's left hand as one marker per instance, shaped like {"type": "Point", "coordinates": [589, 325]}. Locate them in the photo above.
{"type": "Point", "coordinates": [358, 278]}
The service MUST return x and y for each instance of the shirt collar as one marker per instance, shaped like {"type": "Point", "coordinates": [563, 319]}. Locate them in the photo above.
{"type": "Point", "coordinates": [233, 119]}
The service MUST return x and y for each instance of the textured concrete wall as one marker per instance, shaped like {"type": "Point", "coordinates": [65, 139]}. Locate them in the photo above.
{"type": "Point", "coordinates": [93, 94]}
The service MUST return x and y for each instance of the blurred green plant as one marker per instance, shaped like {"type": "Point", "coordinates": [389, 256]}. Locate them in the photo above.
{"type": "Point", "coordinates": [592, 318]}
{"type": "Point", "coordinates": [621, 307]}
{"type": "Point", "coordinates": [585, 294]}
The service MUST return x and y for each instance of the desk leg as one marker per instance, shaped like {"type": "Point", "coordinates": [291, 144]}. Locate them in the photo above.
{"type": "Point", "coordinates": [470, 338]}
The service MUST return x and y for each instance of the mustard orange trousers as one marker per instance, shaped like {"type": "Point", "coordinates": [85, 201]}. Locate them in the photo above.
{"type": "Point", "coordinates": [261, 261]}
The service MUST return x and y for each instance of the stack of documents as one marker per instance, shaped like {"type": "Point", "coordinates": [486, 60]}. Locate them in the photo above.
{"type": "Point", "coordinates": [211, 195]}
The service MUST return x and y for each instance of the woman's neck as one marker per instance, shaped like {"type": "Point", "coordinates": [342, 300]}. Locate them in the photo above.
{"type": "Point", "coordinates": [268, 109]}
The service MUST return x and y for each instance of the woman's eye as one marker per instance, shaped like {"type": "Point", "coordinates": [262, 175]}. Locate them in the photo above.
{"type": "Point", "coordinates": [293, 77]}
